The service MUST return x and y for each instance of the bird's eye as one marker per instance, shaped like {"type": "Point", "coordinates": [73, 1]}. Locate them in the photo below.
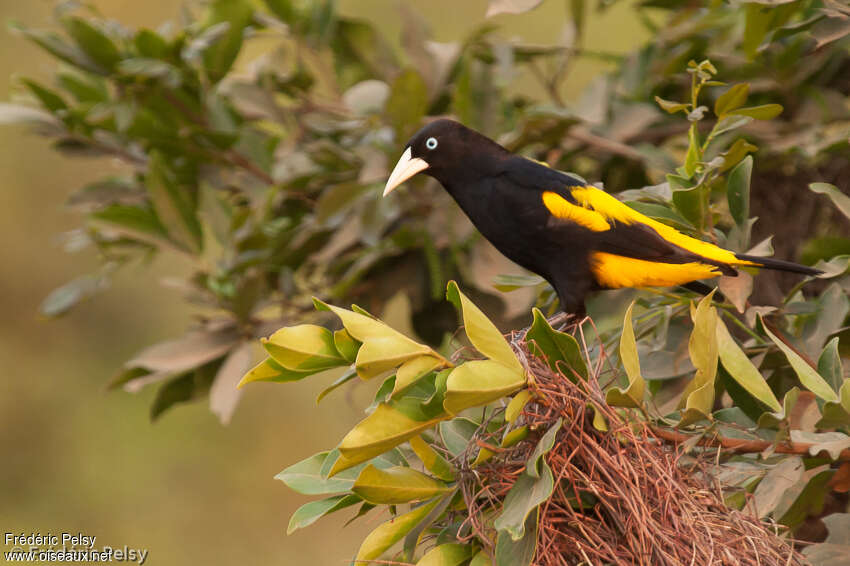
{"type": "Point", "coordinates": [431, 143]}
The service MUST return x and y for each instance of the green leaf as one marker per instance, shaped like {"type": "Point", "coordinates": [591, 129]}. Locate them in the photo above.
{"type": "Point", "coordinates": [481, 332]}
{"type": "Point", "coordinates": [311, 512]}
{"type": "Point", "coordinates": [452, 554]}
{"type": "Point", "coordinates": [776, 483]}
{"type": "Point", "coordinates": [392, 531]}
{"type": "Point", "coordinates": [533, 487]}
{"type": "Point", "coordinates": [64, 298]}
{"type": "Point", "coordinates": [555, 346]}
{"type": "Point", "coordinates": [692, 157]}
{"type": "Point", "coordinates": [172, 205]}
{"type": "Point", "coordinates": [96, 44]}
{"type": "Point", "coordinates": [837, 413]}
{"type": "Point", "coordinates": [733, 98]}
{"type": "Point", "coordinates": [56, 46]}
{"type": "Point", "coordinates": [346, 345]}
{"type": "Point", "coordinates": [736, 153]}
{"type": "Point", "coordinates": [479, 382]}
{"type": "Point", "coordinates": [407, 104]}
{"type": "Point", "coordinates": [338, 382]}
{"type": "Point", "coordinates": [806, 373]}
{"type": "Point", "coordinates": [481, 559]}
{"type": "Point", "coordinates": [510, 552]}
{"type": "Point", "coordinates": [738, 190]}
{"type": "Point", "coordinates": [306, 347]}
{"type": "Point", "coordinates": [178, 390]}
{"type": "Point", "coordinates": [632, 396]}
{"type": "Point", "coordinates": [742, 370]}
{"type": "Point", "coordinates": [839, 199]}
{"type": "Point", "coordinates": [395, 485]}
{"type": "Point", "coordinates": [672, 107]}
{"type": "Point", "coordinates": [220, 55]}
{"type": "Point", "coordinates": [384, 429]}
{"type": "Point", "coordinates": [432, 461]}
{"type": "Point", "coordinates": [508, 283]}
{"type": "Point", "coordinates": [762, 112]}
{"type": "Point", "coordinates": [48, 98]}
{"type": "Point", "coordinates": [456, 434]}
{"type": "Point", "coordinates": [309, 476]}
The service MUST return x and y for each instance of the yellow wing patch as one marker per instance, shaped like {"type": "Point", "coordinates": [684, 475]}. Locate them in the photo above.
{"type": "Point", "coordinates": [609, 207]}
{"type": "Point", "coordinates": [614, 272]}
{"type": "Point", "coordinates": [565, 210]}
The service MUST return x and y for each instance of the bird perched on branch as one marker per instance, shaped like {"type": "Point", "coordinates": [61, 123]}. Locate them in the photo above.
{"type": "Point", "coordinates": [578, 237]}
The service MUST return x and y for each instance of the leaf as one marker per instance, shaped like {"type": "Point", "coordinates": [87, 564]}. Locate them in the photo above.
{"type": "Point", "coordinates": [385, 428]}
{"type": "Point", "coordinates": [178, 390]}
{"type": "Point", "coordinates": [837, 413]}
{"type": "Point", "coordinates": [220, 54]}
{"type": "Point", "coordinates": [839, 199]}
{"type": "Point", "coordinates": [224, 392]}
{"type": "Point", "coordinates": [96, 44]}
{"type": "Point", "coordinates": [172, 205]}
{"type": "Point", "coordinates": [64, 298]}
{"type": "Point", "coordinates": [432, 461]}
{"type": "Point", "coordinates": [742, 370]}
{"type": "Point", "coordinates": [829, 365]}
{"type": "Point", "coordinates": [508, 283]}
{"type": "Point", "coordinates": [533, 487]}
{"type": "Point", "coordinates": [737, 289]}
{"type": "Point", "coordinates": [738, 190]}
{"type": "Point", "coordinates": [413, 370]}
{"type": "Point", "coordinates": [344, 378]}
{"type": "Point", "coordinates": [775, 483]}
{"type": "Point", "coordinates": [517, 404]}
{"type": "Point", "coordinates": [733, 98]}
{"type": "Point", "coordinates": [395, 485]}
{"type": "Point", "coordinates": [672, 107]}
{"type": "Point", "coordinates": [762, 112]}
{"type": "Point", "coordinates": [311, 512]}
{"type": "Point", "coordinates": [452, 554]}
{"type": "Point", "coordinates": [57, 47]}
{"type": "Point", "coordinates": [830, 442]}
{"type": "Point", "coordinates": [479, 382]}
{"type": "Point", "coordinates": [407, 104]}
{"type": "Point", "coordinates": [192, 350]}
{"type": "Point", "coordinates": [306, 347]}
{"type": "Point", "coordinates": [481, 332]}
{"type": "Point", "coordinates": [346, 345]}
{"type": "Point", "coordinates": [270, 370]}
{"type": "Point", "coordinates": [835, 549]}
{"type": "Point", "coordinates": [496, 7]}
{"type": "Point", "coordinates": [632, 396]}
{"type": "Point", "coordinates": [389, 533]}
{"type": "Point", "coordinates": [555, 346]}
{"type": "Point", "coordinates": [806, 373]}
{"type": "Point", "coordinates": [703, 350]}
{"type": "Point", "coordinates": [510, 552]}
{"type": "Point", "coordinates": [456, 434]}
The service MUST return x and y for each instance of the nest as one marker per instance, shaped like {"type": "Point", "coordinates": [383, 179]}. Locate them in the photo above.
{"type": "Point", "coordinates": [647, 508]}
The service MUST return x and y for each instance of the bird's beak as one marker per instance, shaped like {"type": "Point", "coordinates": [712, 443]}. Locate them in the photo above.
{"type": "Point", "coordinates": [406, 168]}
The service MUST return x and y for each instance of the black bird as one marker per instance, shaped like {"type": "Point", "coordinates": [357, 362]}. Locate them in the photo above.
{"type": "Point", "coordinates": [579, 238]}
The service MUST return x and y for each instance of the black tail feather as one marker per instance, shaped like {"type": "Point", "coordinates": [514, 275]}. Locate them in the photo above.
{"type": "Point", "coordinates": [779, 265]}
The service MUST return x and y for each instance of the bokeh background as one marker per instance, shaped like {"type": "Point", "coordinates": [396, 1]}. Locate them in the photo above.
{"type": "Point", "coordinates": [79, 458]}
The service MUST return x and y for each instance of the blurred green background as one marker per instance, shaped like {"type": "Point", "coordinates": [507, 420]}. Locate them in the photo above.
{"type": "Point", "coordinates": [80, 459]}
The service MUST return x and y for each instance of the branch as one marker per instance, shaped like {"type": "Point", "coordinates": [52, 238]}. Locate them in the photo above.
{"type": "Point", "coordinates": [742, 446]}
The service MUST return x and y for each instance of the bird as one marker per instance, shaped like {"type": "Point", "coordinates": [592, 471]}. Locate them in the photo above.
{"type": "Point", "coordinates": [578, 237]}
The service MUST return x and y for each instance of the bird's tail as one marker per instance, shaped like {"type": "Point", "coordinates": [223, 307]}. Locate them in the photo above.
{"type": "Point", "coordinates": [779, 265]}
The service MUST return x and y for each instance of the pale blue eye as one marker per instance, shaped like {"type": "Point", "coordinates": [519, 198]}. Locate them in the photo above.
{"type": "Point", "coordinates": [431, 143]}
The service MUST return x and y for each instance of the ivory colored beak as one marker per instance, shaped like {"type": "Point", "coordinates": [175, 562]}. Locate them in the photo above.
{"type": "Point", "coordinates": [406, 168]}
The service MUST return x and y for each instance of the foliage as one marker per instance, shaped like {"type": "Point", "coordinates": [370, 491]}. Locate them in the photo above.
{"type": "Point", "coordinates": [264, 177]}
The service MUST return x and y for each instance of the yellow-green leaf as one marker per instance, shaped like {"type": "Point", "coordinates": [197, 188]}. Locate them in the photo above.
{"type": "Point", "coordinates": [346, 345]}
{"type": "Point", "coordinates": [632, 396]}
{"type": "Point", "coordinates": [479, 382]}
{"type": "Point", "coordinates": [398, 484]}
{"type": "Point", "coordinates": [514, 437]}
{"type": "Point", "coordinates": [555, 346]}
{"type": "Point", "coordinates": [432, 461]}
{"type": "Point", "coordinates": [702, 347]}
{"type": "Point", "coordinates": [304, 347]}
{"type": "Point", "coordinates": [810, 378]}
{"type": "Point", "coordinates": [311, 512]}
{"type": "Point", "coordinates": [742, 370]}
{"type": "Point", "coordinates": [385, 428]}
{"type": "Point", "coordinates": [270, 370]}
{"type": "Point", "coordinates": [389, 533]}
{"type": "Point", "coordinates": [761, 112]}
{"type": "Point", "coordinates": [451, 554]}
{"type": "Point", "coordinates": [733, 98]}
{"type": "Point", "coordinates": [515, 407]}
{"type": "Point", "coordinates": [481, 332]}
{"type": "Point", "coordinates": [380, 355]}
{"type": "Point", "coordinates": [481, 559]}
{"type": "Point", "coordinates": [413, 370]}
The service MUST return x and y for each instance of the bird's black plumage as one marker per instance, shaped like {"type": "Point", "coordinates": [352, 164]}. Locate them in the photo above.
{"type": "Point", "coordinates": [577, 237]}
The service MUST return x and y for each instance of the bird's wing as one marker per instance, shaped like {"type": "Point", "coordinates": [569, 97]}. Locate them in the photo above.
{"type": "Point", "coordinates": [633, 249]}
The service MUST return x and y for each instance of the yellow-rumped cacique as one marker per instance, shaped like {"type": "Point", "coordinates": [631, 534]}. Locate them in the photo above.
{"type": "Point", "coordinates": [577, 237]}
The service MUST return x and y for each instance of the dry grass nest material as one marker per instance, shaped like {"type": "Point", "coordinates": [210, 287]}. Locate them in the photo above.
{"type": "Point", "coordinates": [649, 508]}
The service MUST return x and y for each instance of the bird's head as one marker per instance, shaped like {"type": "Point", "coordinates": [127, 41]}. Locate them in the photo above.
{"type": "Point", "coordinates": [444, 149]}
